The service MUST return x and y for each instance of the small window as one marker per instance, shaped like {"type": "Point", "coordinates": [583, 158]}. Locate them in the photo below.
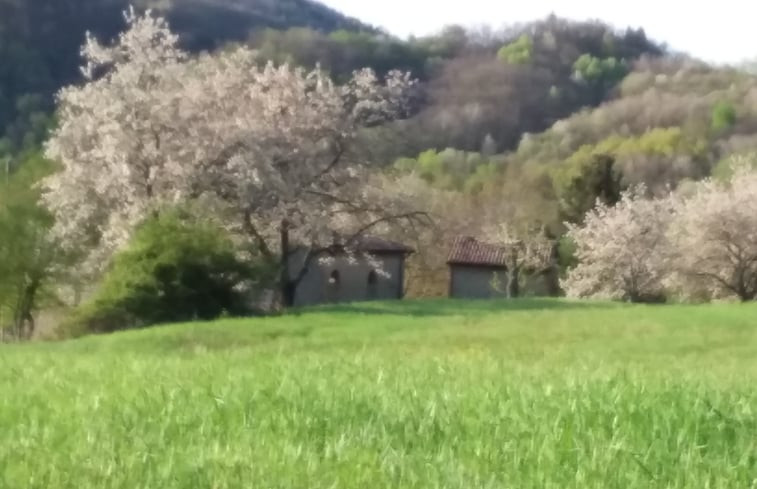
{"type": "Point", "coordinates": [372, 278]}
{"type": "Point", "coordinates": [372, 285]}
{"type": "Point", "coordinates": [334, 279]}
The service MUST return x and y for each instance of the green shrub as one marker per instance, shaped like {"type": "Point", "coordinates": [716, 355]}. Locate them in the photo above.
{"type": "Point", "coordinates": [726, 167]}
{"type": "Point", "coordinates": [518, 52]}
{"type": "Point", "coordinates": [580, 183]}
{"type": "Point", "coordinates": [723, 117]}
{"type": "Point", "coordinates": [174, 269]}
{"type": "Point", "coordinates": [567, 258]}
{"type": "Point", "coordinates": [596, 70]}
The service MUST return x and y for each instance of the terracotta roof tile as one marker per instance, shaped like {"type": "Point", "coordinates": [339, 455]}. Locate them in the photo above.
{"type": "Point", "coordinates": [468, 251]}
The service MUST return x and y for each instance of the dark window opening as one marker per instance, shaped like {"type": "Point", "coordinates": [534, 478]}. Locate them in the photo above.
{"type": "Point", "coordinates": [372, 285]}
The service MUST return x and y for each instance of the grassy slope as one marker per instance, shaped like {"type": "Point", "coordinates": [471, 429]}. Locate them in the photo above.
{"type": "Point", "coordinates": [543, 394]}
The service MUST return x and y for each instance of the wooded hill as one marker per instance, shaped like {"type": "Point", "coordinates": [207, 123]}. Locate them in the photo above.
{"type": "Point", "coordinates": [529, 125]}
{"type": "Point", "coordinates": [40, 42]}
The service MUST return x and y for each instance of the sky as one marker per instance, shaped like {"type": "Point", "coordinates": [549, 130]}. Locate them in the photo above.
{"type": "Point", "coordinates": [722, 31]}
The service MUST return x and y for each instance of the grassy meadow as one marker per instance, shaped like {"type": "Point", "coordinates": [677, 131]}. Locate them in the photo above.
{"type": "Point", "coordinates": [529, 394]}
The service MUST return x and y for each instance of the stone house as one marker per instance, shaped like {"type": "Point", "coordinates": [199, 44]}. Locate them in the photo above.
{"type": "Point", "coordinates": [343, 277]}
{"type": "Point", "coordinates": [477, 270]}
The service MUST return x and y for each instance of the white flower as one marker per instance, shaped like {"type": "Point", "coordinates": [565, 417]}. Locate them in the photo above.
{"type": "Point", "coordinates": [153, 125]}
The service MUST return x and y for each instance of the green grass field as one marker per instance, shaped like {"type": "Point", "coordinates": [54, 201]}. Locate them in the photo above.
{"type": "Point", "coordinates": [532, 394]}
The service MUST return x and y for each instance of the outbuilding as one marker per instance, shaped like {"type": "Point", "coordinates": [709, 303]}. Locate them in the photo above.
{"type": "Point", "coordinates": [334, 275]}
{"type": "Point", "coordinates": [477, 270]}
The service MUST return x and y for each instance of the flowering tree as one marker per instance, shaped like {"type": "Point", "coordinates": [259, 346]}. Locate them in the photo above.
{"type": "Point", "coordinates": [622, 251]}
{"type": "Point", "coordinates": [715, 236]}
{"type": "Point", "coordinates": [270, 148]}
{"type": "Point", "coordinates": [527, 250]}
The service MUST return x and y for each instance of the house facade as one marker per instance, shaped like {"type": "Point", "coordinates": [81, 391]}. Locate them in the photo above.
{"type": "Point", "coordinates": [334, 276]}
{"type": "Point", "coordinates": [477, 270]}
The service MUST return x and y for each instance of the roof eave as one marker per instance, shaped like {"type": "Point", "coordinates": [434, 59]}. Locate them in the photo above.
{"type": "Point", "coordinates": [476, 265]}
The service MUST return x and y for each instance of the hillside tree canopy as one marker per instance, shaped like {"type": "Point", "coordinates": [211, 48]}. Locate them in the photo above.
{"type": "Point", "coordinates": [271, 148]}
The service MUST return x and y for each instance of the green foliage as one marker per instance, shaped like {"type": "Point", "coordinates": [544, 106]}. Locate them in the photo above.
{"type": "Point", "coordinates": [658, 141]}
{"type": "Point", "coordinates": [518, 52]}
{"type": "Point", "coordinates": [28, 258]}
{"type": "Point", "coordinates": [592, 69]}
{"type": "Point", "coordinates": [449, 43]}
{"type": "Point", "coordinates": [474, 94]}
{"type": "Point", "coordinates": [452, 169]}
{"type": "Point", "coordinates": [599, 75]}
{"type": "Point", "coordinates": [604, 169]}
{"type": "Point", "coordinates": [483, 175]}
{"type": "Point", "coordinates": [174, 269]}
{"type": "Point", "coordinates": [453, 394]}
{"type": "Point", "coordinates": [566, 252]}
{"type": "Point", "coordinates": [596, 179]}
{"type": "Point", "coordinates": [727, 166]}
{"type": "Point", "coordinates": [723, 116]}
{"type": "Point", "coordinates": [659, 129]}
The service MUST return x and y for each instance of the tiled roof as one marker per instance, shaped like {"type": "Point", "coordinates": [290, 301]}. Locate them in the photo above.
{"type": "Point", "coordinates": [468, 251]}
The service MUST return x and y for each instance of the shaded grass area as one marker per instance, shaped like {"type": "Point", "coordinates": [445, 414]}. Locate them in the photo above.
{"type": "Point", "coordinates": [454, 394]}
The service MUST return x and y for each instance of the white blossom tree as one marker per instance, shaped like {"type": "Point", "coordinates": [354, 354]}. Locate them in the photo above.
{"type": "Point", "coordinates": [715, 237]}
{"type": "Point", "coordinates": [519, 227]}
{"type": "Point", "coordinates": [526, 250]}
{"type": "Point", "coordinates": [622, 251]}
{"type": "Point", "coordinates": [271, 148]}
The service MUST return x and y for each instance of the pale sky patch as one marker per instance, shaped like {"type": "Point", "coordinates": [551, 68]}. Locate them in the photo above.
{"type": "Point", "coordinates": [722, 31]}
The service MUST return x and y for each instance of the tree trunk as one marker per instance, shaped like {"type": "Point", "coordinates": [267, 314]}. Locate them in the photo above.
{"type": "Point", "coordinates": [29, 326]}
{"type": "Point", "coordinates": [286, 284]}
{"type": "Point", "coordinates": [552, 275]}
{"type": "Point", "coordinates": [746, 296]}
{"type": "Point", "coordinates": [552, 282]}
{"type": "Point", "coordinates": [513, 283]}
{"type": "Point", "coordinates": [24, 317]}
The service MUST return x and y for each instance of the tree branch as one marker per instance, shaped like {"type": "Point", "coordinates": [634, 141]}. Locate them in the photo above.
{"type": "Point", "coordinates": [250, 229]}
{"type": "Point", "coordinates": [340, 150]}
{"type": "Point", "coordinates": [410, 216]}
{"type": "Point", "coordinates": [720, 280]}
{"type": "Point", "coordinates": [312, 253]}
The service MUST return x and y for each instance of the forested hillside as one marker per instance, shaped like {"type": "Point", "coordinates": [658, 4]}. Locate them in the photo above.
{"type": "Point", "coordinates": [40, 42]}
{"type": "Point", "coordinates": [667, 120]}
{"type": "Point", "coordinates": [521, 129]}
{"type": "Point", "coordinates": [480, 87]}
